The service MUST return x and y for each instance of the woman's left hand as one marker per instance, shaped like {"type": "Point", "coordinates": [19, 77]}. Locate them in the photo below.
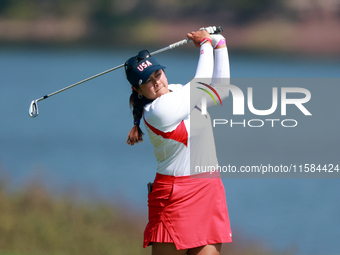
{"type": "Point", "coordinates": [197, 36]}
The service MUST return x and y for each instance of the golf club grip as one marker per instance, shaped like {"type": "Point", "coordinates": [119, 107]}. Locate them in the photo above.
{"type": "Point", "coordinates": [219, 29]}
{"type": "Point", "coordinates": [180, 43]}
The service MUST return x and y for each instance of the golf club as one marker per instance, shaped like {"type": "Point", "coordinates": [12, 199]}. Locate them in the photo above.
{"type": "Point", "coordinates": [33, 109]}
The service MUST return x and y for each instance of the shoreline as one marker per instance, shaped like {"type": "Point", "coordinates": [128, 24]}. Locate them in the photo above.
{"type": "Point", "coordinates": [313, 37]}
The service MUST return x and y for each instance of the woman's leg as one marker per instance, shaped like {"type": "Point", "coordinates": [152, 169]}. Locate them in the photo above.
{"type": "Point", "coordinates": [166, 249]}
{"type": "Point", "coordinates": [210, 249]}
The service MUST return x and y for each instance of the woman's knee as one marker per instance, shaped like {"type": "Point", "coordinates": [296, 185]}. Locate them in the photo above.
{"type": "Point", "coordinates": [210, 249]}
{"type": "Point", "coordinates": [166, 249]}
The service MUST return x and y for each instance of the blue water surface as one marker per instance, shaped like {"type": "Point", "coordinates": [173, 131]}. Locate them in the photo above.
{"type": "Point", "coordinates": [78, 141]}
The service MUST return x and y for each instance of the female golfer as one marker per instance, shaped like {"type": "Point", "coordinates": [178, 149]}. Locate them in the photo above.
{"type": "Point", "coordinates": [187, 215]}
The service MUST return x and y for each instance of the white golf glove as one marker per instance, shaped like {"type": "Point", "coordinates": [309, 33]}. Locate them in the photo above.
{"type": "Point", "coordinates": [210, 29]}
{"type": "Point", "coordinates": [215, 38]}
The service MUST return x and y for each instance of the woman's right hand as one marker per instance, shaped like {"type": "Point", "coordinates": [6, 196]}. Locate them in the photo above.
{"type": "Point", "coordinates": [197, 36]}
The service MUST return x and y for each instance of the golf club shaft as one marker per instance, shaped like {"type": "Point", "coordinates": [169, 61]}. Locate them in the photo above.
{"type": "Point", "coordinates": [33, 109]}
{"type": "Point", "coordinates": [171, 46]}
{"type": "Point", "coordinates": [80, 82]}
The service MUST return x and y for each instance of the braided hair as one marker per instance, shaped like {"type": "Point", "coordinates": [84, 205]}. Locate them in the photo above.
{"type": "Point", "coordinates": [137, 104]}
{"type": "Point", "coordinates": [137, 70]}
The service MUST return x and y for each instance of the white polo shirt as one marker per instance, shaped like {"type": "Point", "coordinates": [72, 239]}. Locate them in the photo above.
{"type": "Point", "coordinates": [181, 135]}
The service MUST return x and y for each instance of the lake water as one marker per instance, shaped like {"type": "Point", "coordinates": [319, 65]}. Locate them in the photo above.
{"type": "Point", "coordinates": [77, 143]}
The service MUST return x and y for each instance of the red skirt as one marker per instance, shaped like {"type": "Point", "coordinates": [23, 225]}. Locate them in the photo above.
{"type": "Point", "coordinates": [187, 211]}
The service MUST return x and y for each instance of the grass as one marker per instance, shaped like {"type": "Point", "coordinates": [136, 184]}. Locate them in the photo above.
{"type": "Point", "coordinates": [34, 222]}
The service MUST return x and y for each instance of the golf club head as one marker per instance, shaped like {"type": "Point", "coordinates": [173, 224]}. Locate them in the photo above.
{"type": "Point", "coordinates": [33, 110]}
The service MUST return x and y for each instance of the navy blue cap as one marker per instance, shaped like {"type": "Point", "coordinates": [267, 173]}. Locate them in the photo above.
{"type": "Point", "coordinates": [142, 70]}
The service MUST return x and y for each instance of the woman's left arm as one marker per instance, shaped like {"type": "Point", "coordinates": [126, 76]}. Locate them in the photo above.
{"type": "Point", "coordinates": [221, 73]}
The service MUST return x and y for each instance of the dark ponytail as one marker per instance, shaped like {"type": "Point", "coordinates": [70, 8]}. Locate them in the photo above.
{"type": "Point", "coordinates": [137, 104]}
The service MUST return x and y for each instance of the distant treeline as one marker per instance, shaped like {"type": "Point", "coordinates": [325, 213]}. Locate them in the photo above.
{"type": "Point", "coordinates": [111, 13]}
{"type": "Point", "coordinates": [129, 22]}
